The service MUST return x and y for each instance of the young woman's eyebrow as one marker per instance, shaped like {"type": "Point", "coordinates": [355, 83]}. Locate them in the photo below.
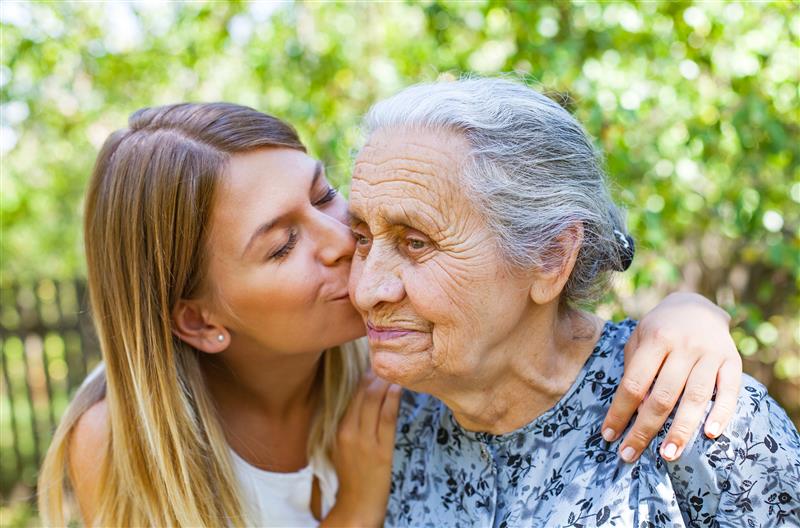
{"type": "Point", "coordinates": [261, 230]}
{"type": "Point", "coordinates": [318, 170]}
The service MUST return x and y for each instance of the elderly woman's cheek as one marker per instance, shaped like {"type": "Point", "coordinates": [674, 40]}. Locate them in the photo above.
{"type": "Point", "coordinates": [461, 287]}
{"type": "Point", "coordinates": [443, 295]}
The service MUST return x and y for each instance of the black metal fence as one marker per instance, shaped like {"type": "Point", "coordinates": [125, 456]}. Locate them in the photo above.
{"type": "Point", "coordinates": [47, 346]}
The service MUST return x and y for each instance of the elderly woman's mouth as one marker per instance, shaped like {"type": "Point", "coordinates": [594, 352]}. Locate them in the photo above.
{"type": "Point", "coordinates": [382, 334]}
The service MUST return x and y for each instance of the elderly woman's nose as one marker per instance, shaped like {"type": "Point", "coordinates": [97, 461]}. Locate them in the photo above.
{"type": "Point", "coordinates": [334, 238]}
{"type": "Point", "coordinates": [377, 283]}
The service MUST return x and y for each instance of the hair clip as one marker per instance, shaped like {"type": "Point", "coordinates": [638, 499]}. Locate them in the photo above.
{"type": "Point", "coordinates": [626, 249]}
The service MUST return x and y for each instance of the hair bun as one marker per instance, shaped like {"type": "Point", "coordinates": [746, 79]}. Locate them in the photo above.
{"type": "Point", "coordinates": [626, 248]}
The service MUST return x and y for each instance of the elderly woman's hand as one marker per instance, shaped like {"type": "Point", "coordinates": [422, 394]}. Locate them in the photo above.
{"type": "Point", "coordinates": [685, 340]}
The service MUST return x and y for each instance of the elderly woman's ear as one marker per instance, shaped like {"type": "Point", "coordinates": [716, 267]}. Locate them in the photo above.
{"type": "Point", "coordinates": [558, 261]}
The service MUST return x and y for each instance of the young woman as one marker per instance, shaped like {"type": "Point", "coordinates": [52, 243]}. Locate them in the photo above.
{"type": "Point", "coordinates": [218, 258]}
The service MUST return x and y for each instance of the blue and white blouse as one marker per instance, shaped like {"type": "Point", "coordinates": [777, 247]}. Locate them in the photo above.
{"type": "Point", "coordinates": [557, 471]}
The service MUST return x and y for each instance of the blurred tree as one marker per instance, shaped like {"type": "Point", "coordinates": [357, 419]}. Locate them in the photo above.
{"type": "Point", "coordinates": [695, 105]}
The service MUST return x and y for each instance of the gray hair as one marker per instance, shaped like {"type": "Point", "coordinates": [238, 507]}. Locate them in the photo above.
{"type": "Point", "coordinates": [532, 171]}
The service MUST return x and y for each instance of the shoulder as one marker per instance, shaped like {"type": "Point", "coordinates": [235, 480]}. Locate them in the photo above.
{"type": "Point", "coordinates": [609, 350]}
{"type": "Point", "coordinates": [761, 436]}
{"type": "Point", "coordinates": [91, 433]}
{"type": "Point", "coordinates": [759, 430]}
{"type": "Point", "coordinates": [598, 380]}
{"type": "Point", "coordinates": [616, 335]}
{"type": "Point", "coordinates": [760, 427]}
{"type": "Point", "coordinates": [752, 470]}
{"type": "Point", "coordinates": [88, 444]}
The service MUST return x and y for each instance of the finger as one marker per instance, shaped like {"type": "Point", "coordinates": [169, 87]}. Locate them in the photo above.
{"type": "Point", "coordinates": [691, 409]}
{"type": "Point", "coordinates": [351, 415]}
{"type": "Point", "coordinates": [633, 388]}
{"type": "Point", "coordinates": [371, 408]}
{"type": "Point", "coordinates": [389, 410]}
{"type": "Point", "coordinates": [632, 346]}
{"type": "Point", "coordinates": [729, 380]}
{"type": "Point", "coordinates": [656, 408]}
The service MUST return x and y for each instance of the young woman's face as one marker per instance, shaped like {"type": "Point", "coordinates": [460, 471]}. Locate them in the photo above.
{"type": "Point", "coordinates": [280, 249]}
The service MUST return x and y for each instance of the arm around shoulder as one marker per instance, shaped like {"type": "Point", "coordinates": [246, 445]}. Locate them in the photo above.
{"type": "Point", "coordinates": [88, 445]}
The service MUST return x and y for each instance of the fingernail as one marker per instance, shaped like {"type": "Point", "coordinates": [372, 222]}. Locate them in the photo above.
{"type": "Point", "coordinates": [628, 453]}
{"type": "Point", "coordinates": [713, 429]}
{"type": "Point", "coordinates": [609, 434]}
{"type": "Point", "coordinates": [669, 451]}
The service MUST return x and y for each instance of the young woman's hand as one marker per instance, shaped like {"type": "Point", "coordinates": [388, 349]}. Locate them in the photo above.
{"type": "Point", "coordinates": [686, 342]}
{"type": "Point", "coordinates": [363, 455]}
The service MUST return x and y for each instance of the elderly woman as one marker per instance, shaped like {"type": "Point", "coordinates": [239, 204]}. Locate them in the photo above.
{"type": "Point", "coordinates": [482, 223]}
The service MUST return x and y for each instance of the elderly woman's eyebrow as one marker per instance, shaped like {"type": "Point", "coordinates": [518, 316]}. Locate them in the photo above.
{"type": "Point", "coordinates": [411, 219]}
{"type": "Point", "coordinates": [408, 219]}
{"type": "Point", "coordinates": [354, 218]}
{"type": "Point", "coordinates": [398, 217]}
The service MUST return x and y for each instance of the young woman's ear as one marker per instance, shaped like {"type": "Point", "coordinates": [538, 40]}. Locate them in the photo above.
{"type": "Point", "coordinates": [193, 325]}
{"type": "Point", "coordinates": [550, 281]}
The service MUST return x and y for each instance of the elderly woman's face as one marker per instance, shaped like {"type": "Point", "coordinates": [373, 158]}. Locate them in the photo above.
{"type": "Point", "coordinates": [427, 276]}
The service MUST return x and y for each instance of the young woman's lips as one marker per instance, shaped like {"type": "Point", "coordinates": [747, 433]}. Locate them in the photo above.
{"type": "Point", "coordinates": [386, 333]}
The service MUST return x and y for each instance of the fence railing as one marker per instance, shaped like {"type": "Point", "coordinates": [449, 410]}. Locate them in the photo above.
{"type": "Point", "coordinates": [47, 346]}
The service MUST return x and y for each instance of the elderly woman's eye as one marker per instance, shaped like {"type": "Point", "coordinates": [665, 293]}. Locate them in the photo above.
{"type": "Point", "coordinates": [363, 242]}
{"type": "Point", "coordinates": [417, 246]}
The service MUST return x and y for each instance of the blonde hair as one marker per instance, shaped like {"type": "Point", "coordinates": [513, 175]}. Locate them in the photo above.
{"type": "Point", "coordinates": [146, 225]}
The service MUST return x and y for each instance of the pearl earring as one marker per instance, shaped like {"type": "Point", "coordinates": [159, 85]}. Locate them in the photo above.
{"type": "Point", "coordinates": [221, 338]}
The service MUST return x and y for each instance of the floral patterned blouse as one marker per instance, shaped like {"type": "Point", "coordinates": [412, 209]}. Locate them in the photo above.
{"type": "Point", "coordinates": [558, 470]}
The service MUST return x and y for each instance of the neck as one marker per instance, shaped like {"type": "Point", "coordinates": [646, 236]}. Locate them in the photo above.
{"type": "Point", "coordinates": [526, 373]}
{"type": "Point", "coordinates": [272, 385]}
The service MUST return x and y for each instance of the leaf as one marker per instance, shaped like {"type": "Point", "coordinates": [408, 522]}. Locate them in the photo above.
{"type": "Point", "coordinates": [771, 444]}
{"type": "Point", "coordinates": [603, 515]}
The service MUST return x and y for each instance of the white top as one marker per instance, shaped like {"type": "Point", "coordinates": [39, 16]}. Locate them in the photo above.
{"type": "Point", "coordinates": [284, 499]}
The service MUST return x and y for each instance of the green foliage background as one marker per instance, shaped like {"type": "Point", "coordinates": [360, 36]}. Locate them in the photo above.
{"type": "Point", "coordinates": [695, 105]}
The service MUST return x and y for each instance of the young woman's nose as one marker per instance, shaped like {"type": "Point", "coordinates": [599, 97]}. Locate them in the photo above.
{"type": "Point", "coordinates": [334, 238]}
